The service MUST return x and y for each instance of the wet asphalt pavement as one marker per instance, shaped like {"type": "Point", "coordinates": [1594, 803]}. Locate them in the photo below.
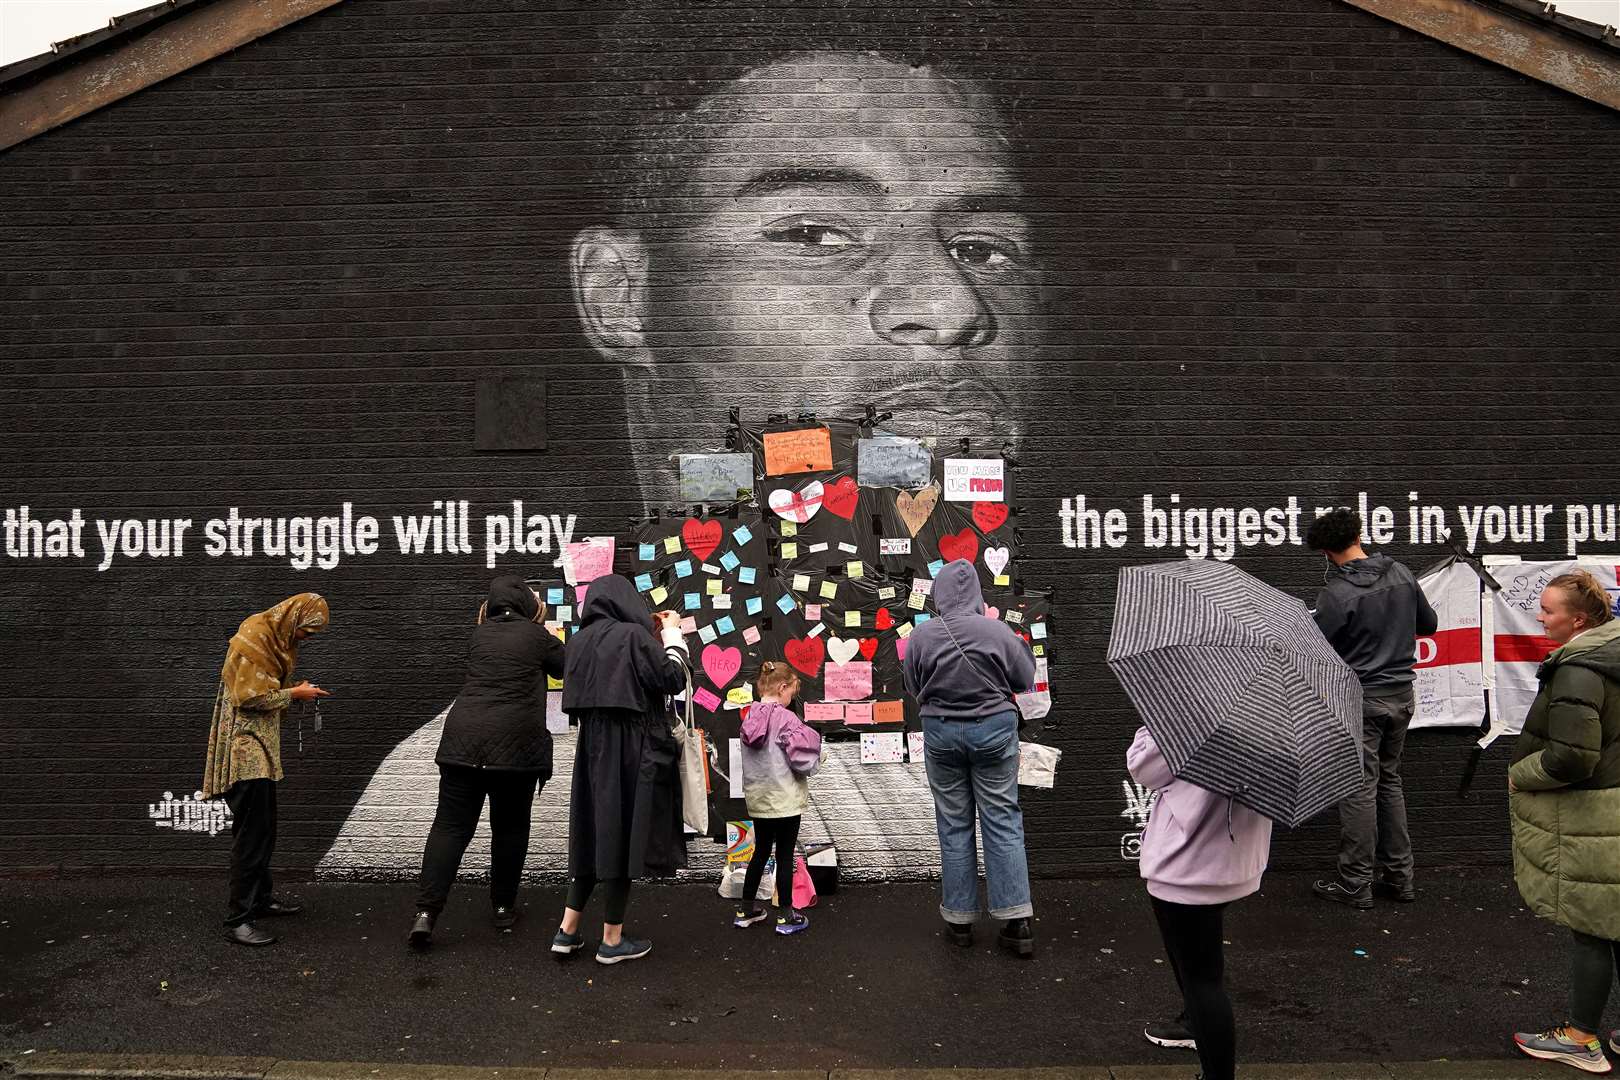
{"type": "Point", "coordinates": [138, 965]}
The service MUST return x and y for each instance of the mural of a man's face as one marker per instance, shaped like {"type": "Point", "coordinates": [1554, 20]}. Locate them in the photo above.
{"type": "Point", "coordinates": [836, 229]}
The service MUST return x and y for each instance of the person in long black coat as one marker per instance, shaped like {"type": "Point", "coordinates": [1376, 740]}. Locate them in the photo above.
{"type": "Point", "coordinates": [624, 813]}
{"type": "Point", "coordinates": [495, 745]}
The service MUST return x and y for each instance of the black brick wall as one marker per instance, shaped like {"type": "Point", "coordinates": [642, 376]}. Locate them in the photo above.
{"type": "Point", "coordinates": [1286, 249]}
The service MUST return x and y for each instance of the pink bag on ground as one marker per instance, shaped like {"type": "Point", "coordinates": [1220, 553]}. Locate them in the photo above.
{"type": "Point", "coordinates": [804, 890]}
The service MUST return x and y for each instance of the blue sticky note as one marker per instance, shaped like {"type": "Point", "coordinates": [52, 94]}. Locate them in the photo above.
{"type": "Point", "coordinates": [935, 567]}
{"type": "Point", "coordinates": [644, 583]}
{"type": "Point", "coordinates": [729, 560]}
{"type": "Point", "coordinates": [754, 605]}
{"type": "Point", "coordinates": [785, 603]}
{"type": "Point", "coordinates": [693, 601]}
{"type": "Point", "coordinates": [741, 535]}
{"type": "Point", "coordinates": [646, 553]}
{"type": "Point", "coordinates": [707, 635]}
{"type": "Point", "coordinates": [554, 597]}
{"type": "Point", "coordinates": [725, 625]}
{"type": "Point", "coordinates": [683, 568]}
{"type": "Point", "coordinates": [1038, 631]}
{"type": "Point", "coordinates": [746, 575]}
{"type": "Point", "coordinates": [921, 617]}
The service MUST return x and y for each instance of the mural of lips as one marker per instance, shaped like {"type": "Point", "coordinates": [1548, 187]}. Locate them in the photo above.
{"type": "Point", "coordinates": [842, 496]}
{"type": "Point", "coordinates": [701, 537]}
{"type": "Point", "coordinates": [963, 545]}
{"type": "Point", "coordinates": [805, 654]}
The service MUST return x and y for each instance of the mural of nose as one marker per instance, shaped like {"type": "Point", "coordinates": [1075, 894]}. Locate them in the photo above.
{"type": "Point", "coordinates": [941, 310]}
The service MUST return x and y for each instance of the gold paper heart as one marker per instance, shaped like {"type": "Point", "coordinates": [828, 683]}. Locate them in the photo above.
{"type": "Point", "coordinates": [916, 509]}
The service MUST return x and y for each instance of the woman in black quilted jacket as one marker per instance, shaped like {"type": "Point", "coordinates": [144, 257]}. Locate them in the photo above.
{"type": "Point", "coordinates": [495, 745]}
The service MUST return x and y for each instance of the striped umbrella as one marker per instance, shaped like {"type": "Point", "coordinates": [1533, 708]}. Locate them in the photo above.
{"type": "Point", "coordinates": [1241, 691]}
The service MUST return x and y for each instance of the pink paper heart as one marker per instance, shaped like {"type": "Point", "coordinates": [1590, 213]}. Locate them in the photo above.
{"type": "Point", "coordinates": [989, 613]}
{"type": "Point", "coordinates": [721, 665]}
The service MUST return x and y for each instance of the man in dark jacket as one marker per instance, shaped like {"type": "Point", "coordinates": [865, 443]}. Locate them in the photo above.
{"type": "Point", "coordinates": [495, 745]}
{"type": "Point", "coordinates": [1371, 611]}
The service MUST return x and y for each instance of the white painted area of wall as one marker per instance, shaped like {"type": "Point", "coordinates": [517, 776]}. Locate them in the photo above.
{"type": "Point", "coordinates": [29, 27]}
{"type": "Point", "coordinates": [880, 816]}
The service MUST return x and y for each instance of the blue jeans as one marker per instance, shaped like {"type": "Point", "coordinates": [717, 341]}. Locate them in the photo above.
{"type": "Point", "coordinates": [974, 764]}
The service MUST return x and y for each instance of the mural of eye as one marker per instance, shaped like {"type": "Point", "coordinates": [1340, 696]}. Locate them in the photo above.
{"type": "Point", "coordinates": [812, 238]}
{"type": "Point", "coordinates": [983, 253]}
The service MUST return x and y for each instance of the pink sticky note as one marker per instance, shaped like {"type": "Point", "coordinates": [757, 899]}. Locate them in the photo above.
{"type": "Point", "coordinates": [589, 560]}
{"type": "Point", "coordinates": [847, 682]}
{"type": "Point", "coordinates": [858, 712]}
{"type": "Point", "coordinates": [705, 699]}
{"type": "Point", "coordinates": [579, 595]}
{"type": "Point", "coordinates": [689, 625]}
{"type": "Point", "coordinates": [751, 635]}
{"type": "Point", "coordinates": [812, 612]}
{"type": "Point", "coordinates": [900, 647]}
{"type": "Point", "coordinates": [823, 711]}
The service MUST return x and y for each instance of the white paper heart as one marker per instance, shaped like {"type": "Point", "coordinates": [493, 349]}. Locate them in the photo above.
{"type": "Point", "coordinates": [996, 559]}
{"type": "Point", "coordinates": [798, 506]}
{"type": "Point", "coordinates": [843, 650]}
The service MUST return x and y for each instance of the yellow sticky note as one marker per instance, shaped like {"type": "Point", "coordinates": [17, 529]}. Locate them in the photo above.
{"type": "Point", "coordinates": [553, 683]}
{"type": "Point", "coordinates": [801, 582]}
{"type": "Point", "coordinates": [1003, 579]}
{"type": "Point", "coordinates": [855, 571]}
{"type": "Point", "coordinates": [915, 601]}
{"type": "Point", "coordinates": [672, 544]}
{"type": "Point", "coordinates": [659, 595]}
{"type": "Point", "coordinates": [1038, 650]}
{"type": "Point", "coordinates": [790, 551]}
{"type": "Point", "coordinates": [829, 591]}
{"type": "Point", "coordinates": [852, 618]}
{"type": "Point", "coordinates": [740, 695]}
{"type": "Point", "coordinates": [558, 632]}
{"type": "Point", "coordinates": [904, 629]}
{"type": "Point", "coordinates": [712, 586]}
{"type": "Point", "coordinates": [789, 529]}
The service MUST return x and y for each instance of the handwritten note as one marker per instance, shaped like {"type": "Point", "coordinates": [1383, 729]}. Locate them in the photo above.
{"type": "Point", "coordinates": [889, 461]}
{"type": "Point", "coordinates": [882, 747]}
{"type": "Point", "coordinates": [888, 712]}
{"type": "Point", "coordinates": [588, 560]}
{"type": "Point", "coordinates": [974, 480]}
{"type": "Point", "coordinates": [706, 699]}
{"type": "Point", "coordinates": [716, 477]}
{"type": "Point", "coordinates": [847, 682]}
{"type": "Point", "coordinates": [798, 451]}
{"type": "Point", "coordinates": [914, 746]}
{"type": "Point", "coordinates": [858, 712]}
{"type": "Point", "coordinates": [556, 719]}
{"type": "Point", "coordinates": [823, 711]}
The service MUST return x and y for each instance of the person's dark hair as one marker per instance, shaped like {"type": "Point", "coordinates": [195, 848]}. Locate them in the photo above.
{"type": "Point", "coordinates": [1334, 531]}
{"type": "Point", "coordinates": [1586, 596]}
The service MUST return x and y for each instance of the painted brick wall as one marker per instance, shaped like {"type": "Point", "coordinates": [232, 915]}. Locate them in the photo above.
{"type": "Point", "coordinates": [1278, 247]}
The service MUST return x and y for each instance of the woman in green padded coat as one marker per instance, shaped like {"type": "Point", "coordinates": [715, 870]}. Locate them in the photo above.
{"type": "Point", "coordinates": [1564, 799]}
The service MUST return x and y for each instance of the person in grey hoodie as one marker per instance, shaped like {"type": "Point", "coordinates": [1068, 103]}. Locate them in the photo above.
{"type": "Point", "coordinates": [780, 753]}
{"type": "Point", "coordinates": [1372, 610]}
{"type": "Point", "coordinates": [964, 669]}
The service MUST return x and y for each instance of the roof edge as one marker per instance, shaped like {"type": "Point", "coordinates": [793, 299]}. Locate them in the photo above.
{"type": "Point", "coordinates": [129, 63]}
{"type": "Point", "coordinates": [1526, 36]}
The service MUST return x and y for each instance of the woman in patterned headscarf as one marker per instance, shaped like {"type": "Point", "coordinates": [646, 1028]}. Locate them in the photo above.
{"type": "Point", "coordinates": [244, 749]}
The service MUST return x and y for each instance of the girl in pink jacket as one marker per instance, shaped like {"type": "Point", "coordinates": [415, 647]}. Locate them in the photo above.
{"type": "Point", "coordinates": [779, 754]}
{"type": "Point", "coordinates": [1200, 852]}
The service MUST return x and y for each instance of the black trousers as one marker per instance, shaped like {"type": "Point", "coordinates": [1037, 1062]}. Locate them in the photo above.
{"type": "Point", "coordinates": [1192, 938]}
{"type": "Point", "coordinates": [776, 835]}
{"type": "Point", "coordinates": [462, 790]}
{"type": "Point", "coordinates": [1593, 963]}
{"type": "Point", "coordinates": [253, 841]}
{"type": "Point", "coordinates": [615, 897]}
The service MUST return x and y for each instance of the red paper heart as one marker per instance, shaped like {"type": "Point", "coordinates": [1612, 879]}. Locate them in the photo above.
{"type": "Point", "coordinates": [841, 496]}
{"type": "Point", "coordinates": [805, 654]}
{"type": "Point", "coordinates": [884, 620]}
{"type": "Point", "coordinates": [868, 647]}
{"type": "Point", "coordinates": [989, 516]}
{"type": "Point", "coordinates": [701, 537]}
{"type": "Point", "coordinates": [964, 545]}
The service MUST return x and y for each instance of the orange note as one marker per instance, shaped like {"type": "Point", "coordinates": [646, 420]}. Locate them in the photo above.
{"type": "Point", "coordinates": [888, 712]}
{"type": "Point", "coordinates": [798, 451]}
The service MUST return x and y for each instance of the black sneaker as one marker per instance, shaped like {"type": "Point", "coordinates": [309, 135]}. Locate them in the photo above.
{"type": "Point", "coordinates": [1339, 893]}
{"type": "Point", "coordinates": [959, 934]}
{"type": "Point", "coordinates": [1017, 938]}
{"type": "Point", "coordinates": [1171, 1033]}
{"type": "Point", "coordinates": [1388, 890]}
{"type": "Point", "coordinates": [421, 935]}
{"type": "Point", "coordinates": [505, 918]}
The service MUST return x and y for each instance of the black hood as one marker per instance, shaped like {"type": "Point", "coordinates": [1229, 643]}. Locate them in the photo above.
{"type": "Point", "coordinates": [1363, 573]}
{"type": "Point", "coordinates": [509, 591]}
{"type": "Point", "coordinates": [611, 598]}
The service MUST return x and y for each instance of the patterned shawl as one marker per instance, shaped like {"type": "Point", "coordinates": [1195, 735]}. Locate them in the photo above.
{"type": "Point", "coordinates": [263, 653]}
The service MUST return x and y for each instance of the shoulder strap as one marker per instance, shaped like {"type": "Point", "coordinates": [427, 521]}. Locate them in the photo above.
{"type": "Point", "coordinates": [976, 668]}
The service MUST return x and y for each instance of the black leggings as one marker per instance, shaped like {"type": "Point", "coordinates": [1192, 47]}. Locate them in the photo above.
{"type": "Point", "coordinates": [781, 834]}
{"type": "Point", "coordinates": [615, 900]}
{"type": "Point", "coordinates": [1592, 966]}
{"type": "Point", "coordinates": [1192, 938]}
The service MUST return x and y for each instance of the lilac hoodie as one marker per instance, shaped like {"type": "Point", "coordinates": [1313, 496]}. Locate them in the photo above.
{"type": "Point", "coordinates": [1193, 852]}
{"type": "Point", "coordinates": [779, 754]}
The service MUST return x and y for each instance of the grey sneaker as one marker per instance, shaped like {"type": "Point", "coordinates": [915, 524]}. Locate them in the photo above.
{"type": "Point", "coordinates": [1614, 1040]}
{"type": "Point", "coordinates": [1340, 893]}
{"type": "Point", "coordinates": [745, 917]}
{"type": "Point", "coordinates": [626, 949]}
{"type": "Point", "coordinates": [1171, 1033]}
{"type": "Point", "coordinates": [564, 944]}
{"type": "Point", "coordinates": [1557, 1045]}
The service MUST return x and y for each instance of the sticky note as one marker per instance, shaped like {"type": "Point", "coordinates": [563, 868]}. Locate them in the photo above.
{"type": "Point", "coordinates": [815, 631]}
{"type": "Point", "coordinates": [921, 617]}
{"type": "Point", "coordinates": [1038, 630]}
{"type": "Point", "coordinates": [801, 582]}
{"type": "Point", "coordinates": [705, 699]}
{"type": "Point", "coordinates": [746, 575]}
{"type": "Point", "coordinates": [713, 586]}
{"type": "Point", "coordinates": [683, 568]}
{"type": "Point", "coordinates": [693, 601]}
{"type": "Point", "coordinates": [565, 614]}
{"type": "Point", "coordinates": [672, 544]}
{"type": "Point", "coordinates": [740, 695]}
{"type": "Point", "coordinates": [554, 597]}
{"type": "Point", "coordinates": [754, 605]}
{"type": "Point", "coordinates": [852, 618]}
{"type": "Point", "coordinates": [659, 595]}
{"type": "Point", "coordinates": [828, 590]}
{"type": "Point", "coordinates": [886, 593]}
{"type": "Point", "coordinates": [812, 612]}
{"type": "Point", "coordinates": [935, 567]}
{"type": "Point", "coordinates": [847, 548]}
{"type": "Point", "coordinates": [889, 712]}
{"type": "Point", "coordinates": [784, 603]}
{"type": "Point", "coordinates": [790, 529]}
{"type": "Point", "coordinates": [854, 571]}
{"type": "Point", "coordinates": [722, 602]}
{"type": "Point", "coordinates": [904, 630]}
{"type": "Point", "coordinates": [725, 625]}
{"type": "Point", "coordinates": [1003, 580]}
{"type": "Point", "coordinates": [741, 535]}
{"type": "Point", "coordinates": [707, 635]}
{"type": "Point", "coordinates": [729, 561]}
{"type": "Point", "coordinates": [689, 625]}
{"type": "Point", "coordinates": [553, 683]}
{"type": "Point", "coordinates": [915, 601]}
{"type": "Point", "coordinates": [646, 552]}
{"type": "Point", "coordinates": [644, 583]}
{"type": "Point", "coordinates": [1038, 650]}
{"type": "Point", "coordinates": [710, 568]}
{"type": "Point", "coordinates": [858, 712]}
{"type": "Point", "coordinates": [815, 548]}
{"type": "Point", "coordinates": [1015, 617]}
{"type": "Point", "coordinates": [751, 633]}
{"type": "Point", "coordinates": [790, 551]}
{"type": "Point", "coordinates": [823, 711]}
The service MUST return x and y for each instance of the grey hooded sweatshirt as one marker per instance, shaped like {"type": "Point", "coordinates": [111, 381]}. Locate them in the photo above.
{"type": "Point", "coordinates": [977, 679]}
{"type": "Point", "coordinates": [1372, 611]}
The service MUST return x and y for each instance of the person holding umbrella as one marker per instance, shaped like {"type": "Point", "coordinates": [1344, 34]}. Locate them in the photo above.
{"type": "Point", "coordinates": [1249, 717]}
{"type": "Point", "coordinates": [1564, 801]}
{"type": "Point", "coordinates": [244, 750]}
